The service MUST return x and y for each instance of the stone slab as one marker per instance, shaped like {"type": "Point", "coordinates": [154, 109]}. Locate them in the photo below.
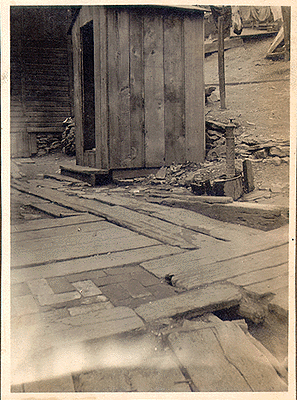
{"type": "Point", "coordinates": [40, 287]}
{"type": "Point", "coordinates": [87, 288]}
{"type": "Point", "coordinates": [140, 364]}
{"type": "Point", "coordinates": [206, 299]}
{"type": "Point", "coordinates": [59, 384]}
{"type": "Point", "coordinates": [90, 326]}
{"type": "Point", "coordinates": [23, 305]}
{"type": "Point", "coordinates": [60, 285]}
{"type": "Point", "coordinates": [50, 299]}
{"type": "Point", "coordinates": [87, 308]}
{"type": "Point", "coordinates": [135, 289]}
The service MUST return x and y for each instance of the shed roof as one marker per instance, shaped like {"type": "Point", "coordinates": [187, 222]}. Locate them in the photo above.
{"type": "Point", "coordinates": [198, 8]}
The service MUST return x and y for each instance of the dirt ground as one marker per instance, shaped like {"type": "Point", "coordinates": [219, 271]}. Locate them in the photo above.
{"type": "Point", "coordinates": [260, 108]}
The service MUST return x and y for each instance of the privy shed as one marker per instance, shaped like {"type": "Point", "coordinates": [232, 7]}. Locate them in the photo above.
{"type": "Point", "coordinates": [138, 86]}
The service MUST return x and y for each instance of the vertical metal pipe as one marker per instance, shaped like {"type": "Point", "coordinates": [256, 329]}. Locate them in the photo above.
{"type": "Point", "coordinates": [230, 151]}
{"type": "Point", "coordinates": [221, 61]}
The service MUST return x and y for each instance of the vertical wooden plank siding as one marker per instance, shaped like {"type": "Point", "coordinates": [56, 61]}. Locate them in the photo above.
{"type": "Point", "coordinates": [137, 90]}
{"type": "Point", "coordinates": [113, 98]}
{"type": "Point", "coordinates": [154, 90]}
{"type": "Point", "coordinates": [174, 89]}
{"type": "Point", "coordinates": [77, 76]}
{"type": "Point", "coordinates": [118, 88]}
{"type": "Point", "coordinates": [104, 95]}
{"type": "Point", "coordinates": [123, 93]}
{"type": "Point", "coordinates": [194, 88]}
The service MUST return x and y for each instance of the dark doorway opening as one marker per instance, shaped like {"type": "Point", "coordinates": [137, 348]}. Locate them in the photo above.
{"type": "Point", "coordinates": [88, 86]}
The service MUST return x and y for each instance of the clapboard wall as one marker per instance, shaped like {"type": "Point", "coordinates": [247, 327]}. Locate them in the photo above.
{"type": "Point", "coordinates": [148, 86]}
{"type": "Point", "coordinates": [40, 83]}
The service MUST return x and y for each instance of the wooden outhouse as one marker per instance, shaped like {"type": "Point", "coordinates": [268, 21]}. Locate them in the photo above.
{"type": "Point", "coordinates": [138, 86]}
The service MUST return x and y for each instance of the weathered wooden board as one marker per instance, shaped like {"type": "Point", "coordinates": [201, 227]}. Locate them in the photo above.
{"type": "Point", "coordinates": [33, 253]}
{"type": "Point", "coordinates": [222, 270]}
{"type": "Point", "coordinates": [154, 90]}
{"type": "Point", "coordinates": [248, 359]}
{"type": "Point", "coordinates": [77, 77]}
{"type": "Point", "coordinates": [69, 237]}
{"type": "Point", "coordinates": [60, 232]}
{"type": "Point", "coordinates": [137, 90]}
{"type": "Point", "coordinates": [202, 356]}
{"type": "Point", "coordinates": [174, 90]}
{"type": "Point", "coordinates": [260, 275]}
{"type": "Point", "coordinates": [269, 286]}
{"type": "Point", "coordinates": [114, 259]}
{"type": "Point", "coordinates": [212, 260]}
{"type": "Point", "coordinates": [154, 228]}
{"type": "Point", "coordinates": [53, 209]}
{"type": "Point", "coordinates": [101, 81]}
{"type": "Point", "coordinates": [207, 299]}
{"type": "Point", "coordinates": [118, 88]}
{"type": "Point", "coordinates": [194, 89]}
{"type": "Point", "coordinates": [39, 225]}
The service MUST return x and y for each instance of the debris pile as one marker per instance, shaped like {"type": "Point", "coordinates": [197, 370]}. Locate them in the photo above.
{"type": "Point", "coordinates": [68, 137]}
{"type": "Point", "coordinates": [245, 147]}
{"type": "Point", "coordinates": [48, 143]}
{"type": "Point", "coordinates": [186, 174]}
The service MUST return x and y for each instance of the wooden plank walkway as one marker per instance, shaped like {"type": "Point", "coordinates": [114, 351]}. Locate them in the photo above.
{"type": "Point", "coordinates": [71, 277]}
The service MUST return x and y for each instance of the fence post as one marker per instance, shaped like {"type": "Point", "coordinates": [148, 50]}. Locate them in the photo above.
{"type": "Point", "coordinates": [221, 61]}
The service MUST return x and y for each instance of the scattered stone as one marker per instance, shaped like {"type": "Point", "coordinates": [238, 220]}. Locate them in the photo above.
{"type": "Point", "coordinates": [161, 174]}
{"type": "Point", "coordinates": [276, 161]}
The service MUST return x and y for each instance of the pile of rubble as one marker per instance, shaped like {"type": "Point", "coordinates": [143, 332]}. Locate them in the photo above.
{"type": "Point", "coordinates": [245, 147]}
{"type": "Point", "coordinates": [68, 137]}
{"type": "Point", "coordinates": [48, 143]}
{"type": "Point", "coordinates": [185, 175]}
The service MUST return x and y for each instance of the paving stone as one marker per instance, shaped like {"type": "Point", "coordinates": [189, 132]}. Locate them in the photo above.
{"type": "Point", "coordinates": [135, 289]}
{"type": "Point", "coordinates": [141, 365]}
{"type": "Point", "coordinates": [40, 287]}
{"type": "Point", "coordinates": [84, 327]}
{"type": "Point", "coordinates": [129, 269]}
{"type": "Point", "coordinates": [145, 278]}
{"type": "Point", "coordinates": [83, 276]}
{"type": "Point", "coordinates": [60, 384]}
{"type": "Point", "coordinates": [161, 291]}
{"type": "Point", "coordinates": [20, 289]}
{"type": "Point", "coordinates": [111, 279]}
{"type": "Point", "coordinates": [207, 299]}
{"type": "Point", "coordinates": [133, 303]}
{"type": "Point", "coordinates": [23, 305]}
{"type": "Point", "coordinates": [87, 288]}
{"type": "Point", "coordinates": [87, 308]}
{"type": "Point", "coordinates": [115, 292]}
{"type": "Point", "coordinates": [45, 300]}
{"type": "Point", "coordinates": [60, 285]}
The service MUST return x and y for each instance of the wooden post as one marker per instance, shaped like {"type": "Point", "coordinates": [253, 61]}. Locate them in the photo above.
{"type": "Point", "coordinates": [286, 12]}
{"type": "Point", "coordinates": [230, 151]}
{"type": "Point", "coordinates": [221, 61]}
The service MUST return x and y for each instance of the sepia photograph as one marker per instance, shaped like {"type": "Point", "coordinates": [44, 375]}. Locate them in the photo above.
{"type": "Point", "coordinates": [151, 202]}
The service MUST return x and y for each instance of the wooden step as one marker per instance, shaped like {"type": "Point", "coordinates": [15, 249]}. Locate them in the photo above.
{"type": "Point", "coordinates": [93, 176]}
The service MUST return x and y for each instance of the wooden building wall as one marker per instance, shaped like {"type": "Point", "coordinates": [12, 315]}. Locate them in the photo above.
{"type": "Point", "coordinates": [40, 83]}
{"type": "Point", "coordinates": [149, 86]}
